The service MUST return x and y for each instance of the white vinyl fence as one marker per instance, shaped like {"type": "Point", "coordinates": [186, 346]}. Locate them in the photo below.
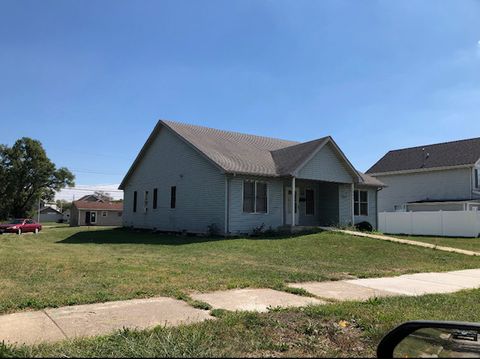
{"type": "Point", "coordinates": [441, 223]}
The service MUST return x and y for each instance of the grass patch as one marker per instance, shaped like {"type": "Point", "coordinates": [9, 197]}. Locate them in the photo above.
{"type": "Point", "coordinates": [470, 244]}
{"type": "Point", "coordinates": [67, 266]}
{"type": "Point", "coordinates": [350, 329]}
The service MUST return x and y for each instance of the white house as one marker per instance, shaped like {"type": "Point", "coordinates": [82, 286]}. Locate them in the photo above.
{"type": "Point", "coordinates": [190, 178]}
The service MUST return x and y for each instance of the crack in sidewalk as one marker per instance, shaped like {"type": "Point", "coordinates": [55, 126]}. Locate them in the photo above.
{"type": "Point", "coordinates": [54, 322]}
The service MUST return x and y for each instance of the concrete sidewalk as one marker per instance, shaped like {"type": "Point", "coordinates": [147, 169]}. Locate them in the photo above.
{"type": "Point", "coordinates": [408, 285]}
{"type": "Point", "coordinates": [403, 241]}
{"type": "Point", "coordinates": [51, 325]}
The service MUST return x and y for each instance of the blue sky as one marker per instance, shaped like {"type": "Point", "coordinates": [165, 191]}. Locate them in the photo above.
{"type": "Point", "coordinates": [90, 78]}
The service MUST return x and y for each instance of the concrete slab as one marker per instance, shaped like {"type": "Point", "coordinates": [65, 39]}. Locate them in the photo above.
{"type": "Point", "coordinates": [405, 286]}
{"type": "Point", "coordinates": [103, 318]}
{"type": "Point", "coordinates": [28, 328]}
{"type": "Point", "coordinates": [258, 300]}
{"type": "Point", "coordinates": [446, 278]}
{"type": "Point", "coordinates": [341, 290]}
{"type": "Point", "coordinates": [467, 273]}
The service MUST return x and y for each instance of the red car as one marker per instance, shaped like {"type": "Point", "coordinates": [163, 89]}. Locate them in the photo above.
{"type": "Point", "coordinates": [20, 226]}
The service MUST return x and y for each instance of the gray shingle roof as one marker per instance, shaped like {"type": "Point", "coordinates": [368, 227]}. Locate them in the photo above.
{"type": "Point", "coordinates": [233, 152]}
{"type": "Point", "coordinates": [288, 159]}
{"type": "Point", "coordinates": [240, 153]}
{"type": "Point", "coordinates": [447, 154]}
{"type": "Point", "coordinates": [370, 181]}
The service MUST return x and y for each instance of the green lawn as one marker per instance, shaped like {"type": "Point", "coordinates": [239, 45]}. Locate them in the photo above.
{"type": "Point", "coordinates": [471, 244]}
{"type": "Point", "coordinates": [65, 266]}
{"type": "Point", "coordinates": [314, 331]}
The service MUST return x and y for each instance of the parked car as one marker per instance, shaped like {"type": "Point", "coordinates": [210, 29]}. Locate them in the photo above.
{"type": "Point", "coordinates": [21, 225]}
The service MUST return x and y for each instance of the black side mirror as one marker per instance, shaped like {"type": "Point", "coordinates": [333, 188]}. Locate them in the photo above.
{"type": "Point", "coordinates": [430, 339]}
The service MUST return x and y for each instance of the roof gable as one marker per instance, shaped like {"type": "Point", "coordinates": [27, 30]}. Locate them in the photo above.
{"type": "Point", "coordinates": [447, 154]}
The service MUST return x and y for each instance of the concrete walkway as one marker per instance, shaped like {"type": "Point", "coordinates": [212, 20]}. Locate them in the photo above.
{"type": "Point", "coordinates": [51, 325]}
{"type": "Point", "coordinates": [258, 300]}
{"type": "Point", "coordinates": [408, 285]}
{"type": "Point", "coordinates": [403, 241]}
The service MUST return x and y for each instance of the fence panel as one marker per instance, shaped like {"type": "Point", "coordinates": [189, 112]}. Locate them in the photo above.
{"type": "Point", "coordinates": [441, 223]}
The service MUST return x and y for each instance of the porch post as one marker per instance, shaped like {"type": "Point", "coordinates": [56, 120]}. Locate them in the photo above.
{"type": "Point", "coordinates": [293, 202]}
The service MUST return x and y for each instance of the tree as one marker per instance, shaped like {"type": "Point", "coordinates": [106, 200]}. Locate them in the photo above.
{"type": "Point", "coordinates": [26, 176]}
{"type": "Point", "coordinates": [63, 204]}
{"type": "Point", "coordinates": [104, 196]}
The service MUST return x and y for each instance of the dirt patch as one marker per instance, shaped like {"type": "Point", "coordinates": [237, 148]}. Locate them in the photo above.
{"type": "Point", "coordinates": [294, 334]}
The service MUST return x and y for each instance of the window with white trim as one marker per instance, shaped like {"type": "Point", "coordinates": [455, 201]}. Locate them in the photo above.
{"type": "Point", "coordinates": [255, 197]}
{"type": "Point", "coordinates": [104, 213]}
{"type": "Point", "coordinates": [360, 203]}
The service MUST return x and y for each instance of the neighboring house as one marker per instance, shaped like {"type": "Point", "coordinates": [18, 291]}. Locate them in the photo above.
{"type": "Point", "coordinates": [66, 216]}
{"type": "Point", "coordinates": [49, 214]}
{"type": "Point", "coordinates": [92, 211]}
{"type": "Point", "coordinates": [443, 176]}
{"type": "Point", "coordinates": [189, 178]}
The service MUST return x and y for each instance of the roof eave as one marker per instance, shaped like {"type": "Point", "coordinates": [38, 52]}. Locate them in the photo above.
{"type": "Point", "coordinates": [432, 169]}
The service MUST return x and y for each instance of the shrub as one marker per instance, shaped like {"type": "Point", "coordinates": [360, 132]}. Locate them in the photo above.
{"type": "Point", "coordinates": [364, 226]}
{"type": "Point", "coordinates": [213, 230]}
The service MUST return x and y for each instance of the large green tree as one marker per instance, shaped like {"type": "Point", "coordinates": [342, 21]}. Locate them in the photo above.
{"type": "Point", "coordinates": [26, 176]}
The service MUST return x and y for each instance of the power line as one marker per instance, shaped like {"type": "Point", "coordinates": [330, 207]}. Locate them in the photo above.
{"type": "Point", "coordinates": [97, 173]}
{"type": "Point", "coordinates": [90, 190]}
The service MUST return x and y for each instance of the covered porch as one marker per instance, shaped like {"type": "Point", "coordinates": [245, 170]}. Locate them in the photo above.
{"type": "Point", "coordinates": [313, 203]}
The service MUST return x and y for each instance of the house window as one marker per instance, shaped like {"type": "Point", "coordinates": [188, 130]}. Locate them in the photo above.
{"type": "Point", "coordinates": [135, 201]}
{"type": "Point", "coordinates": [360, 203]}
{"type": "Point", "coordinates": [261, 198]}
{"type": "Point", "coordinates": [155, 198]}
{"type": "Point", "coordinates": [309, 202]}
{"type": "Point", "coordinates": [145, 201]}
{"type": "Point", "coordinates": [173, 197]}
{"type": "Point", "coordinates": [120, 214]}
{"type": "Point", "coordinates": [104, 213]}
{"type": "Point", "coordinates": [255, 197]}
{"type": "Point", "coordinates": [477, 178]}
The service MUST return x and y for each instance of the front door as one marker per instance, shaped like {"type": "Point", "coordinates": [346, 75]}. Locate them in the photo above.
{"type": "Point", "coordinates": [288, 203]}
{"type": "Point", "coordinates": [87, 217]}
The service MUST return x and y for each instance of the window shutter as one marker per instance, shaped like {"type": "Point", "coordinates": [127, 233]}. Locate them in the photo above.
{"type": "Point", "coordinates": [477, 180]}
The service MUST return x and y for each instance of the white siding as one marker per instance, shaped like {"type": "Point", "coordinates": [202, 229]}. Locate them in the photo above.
{"type": "Point", "coordinates": [345, 198]}
{"type": "Point", "coordinates": [200, 188]}
{"type": "Point", "coordinates": [433, 185]}
{"type": "Point", "coordinates": [326, 165]}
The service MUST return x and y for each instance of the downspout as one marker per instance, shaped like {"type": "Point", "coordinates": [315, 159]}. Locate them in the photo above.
{"type": "Point", "coordinates": [471, 181]}
{"type": "Point", "coordinates": [353, 204]}
{"type": "Point", "coordinates": [226, 206]}
{"type": "Point", "coordinates": [293, 201]}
